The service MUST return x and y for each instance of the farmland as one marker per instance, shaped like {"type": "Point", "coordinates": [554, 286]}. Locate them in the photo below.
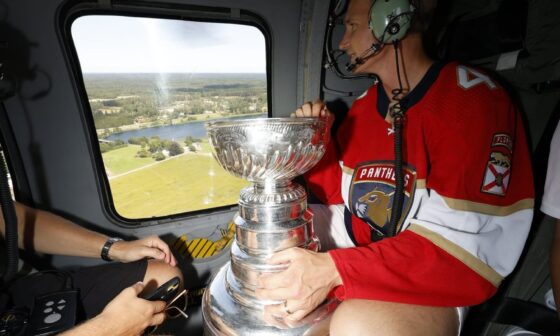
{"type": "Point", "coordinates": [155, 175]}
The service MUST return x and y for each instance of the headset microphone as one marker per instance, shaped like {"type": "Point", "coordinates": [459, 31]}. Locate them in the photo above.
{"type": "Point", "coordinates": [373, 50]}
{"type": "Point", "coordinates": [352, 65]}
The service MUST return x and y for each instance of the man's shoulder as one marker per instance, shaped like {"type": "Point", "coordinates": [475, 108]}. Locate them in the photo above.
{"type": "Point", "coordinates": [464, 87]}
{"type": "Point", "coordinates": [467, 80]}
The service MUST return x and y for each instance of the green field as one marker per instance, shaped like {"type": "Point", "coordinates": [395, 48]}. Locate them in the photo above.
{"type": "Point", "coordinates": [122, 160]}
{"type": "Point", "coordinates": [184, 183]}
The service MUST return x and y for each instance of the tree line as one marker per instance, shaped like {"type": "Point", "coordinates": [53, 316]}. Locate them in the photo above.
{"type": "Point", "coordinates": [153, 147]}
{"type": "Point", "coordinates": [117, 100]}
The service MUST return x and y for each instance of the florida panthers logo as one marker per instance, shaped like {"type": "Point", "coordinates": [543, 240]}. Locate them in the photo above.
{"type": "Point", "coordinates": [375, 205]}
{"type": "Point", "coordinates": [373, 191]}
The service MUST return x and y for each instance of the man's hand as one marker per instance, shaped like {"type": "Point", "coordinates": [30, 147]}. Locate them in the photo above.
{"type": "Point", "coordinates": [313, 109]}
{"type": "Point", "coordinates": [125, 315]}
{"type": "Point", "coordinates": [303, 286]}
{"type": "Point", "coordinates": [130, 315]}
{"type": "Point", "coordinates": [148, 247]}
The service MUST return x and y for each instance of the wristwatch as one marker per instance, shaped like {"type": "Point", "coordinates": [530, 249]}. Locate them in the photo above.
{"type": "Point", "coordinates": [107, 246]}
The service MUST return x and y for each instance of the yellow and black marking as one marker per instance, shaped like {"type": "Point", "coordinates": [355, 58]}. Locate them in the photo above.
{"type": "Point", "coordinates": [199, 248]}
{"type": "Point", "coordinates": [227, 237]}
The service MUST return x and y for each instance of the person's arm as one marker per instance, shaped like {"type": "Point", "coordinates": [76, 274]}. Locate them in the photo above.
{"type": "Point", "coordinates": [125, 315]}
{"type": "Point", "coordinates": [48, 233]}
{"type": "Point", "coordinates": [555, 264]}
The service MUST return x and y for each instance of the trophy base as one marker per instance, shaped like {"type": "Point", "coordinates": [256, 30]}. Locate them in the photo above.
{"type": "Point", "coordinates": [223, 315]}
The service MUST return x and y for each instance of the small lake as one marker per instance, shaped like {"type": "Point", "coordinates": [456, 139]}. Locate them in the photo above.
{"type": "Point", "coordinates": [173, 132]}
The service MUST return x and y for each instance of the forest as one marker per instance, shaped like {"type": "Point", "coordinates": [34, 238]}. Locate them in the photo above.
{"type": "Point", "coordinates": [125, 101]}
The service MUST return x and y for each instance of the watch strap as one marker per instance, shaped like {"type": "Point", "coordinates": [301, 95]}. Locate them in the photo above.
{"type": "Point", "coordinates": [107, 246]}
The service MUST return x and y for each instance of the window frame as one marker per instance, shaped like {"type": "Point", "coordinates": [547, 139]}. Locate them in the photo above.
{"type": "Point", "coordinates": [72, 10]}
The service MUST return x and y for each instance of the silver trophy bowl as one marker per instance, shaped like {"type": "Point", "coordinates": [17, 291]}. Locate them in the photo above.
{"type": "Point", "coordinates": [272, 216]}
{"type": "Point", "coordinates": [273, 149]}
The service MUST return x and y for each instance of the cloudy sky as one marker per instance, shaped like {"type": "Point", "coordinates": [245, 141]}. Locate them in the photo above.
{"type": "Point", "coordinates": [128, 44]}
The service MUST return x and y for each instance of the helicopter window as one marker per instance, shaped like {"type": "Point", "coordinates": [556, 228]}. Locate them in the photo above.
{"type": "Point", "coordinates": [151, 84]}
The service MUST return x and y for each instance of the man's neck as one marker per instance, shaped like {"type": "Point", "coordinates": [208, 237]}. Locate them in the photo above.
{"type": "Point", "coordinates": [413, 65]}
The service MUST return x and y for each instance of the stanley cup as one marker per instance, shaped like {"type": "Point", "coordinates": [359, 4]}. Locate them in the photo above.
{"type": "Point", "coordinates": [272, 216]}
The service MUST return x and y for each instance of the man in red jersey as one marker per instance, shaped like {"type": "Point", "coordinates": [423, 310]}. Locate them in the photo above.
{"type": "Point", "coordinates": [414, 235]}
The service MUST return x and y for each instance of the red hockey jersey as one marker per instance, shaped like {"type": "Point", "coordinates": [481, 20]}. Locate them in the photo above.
{"type": "Point", "coordinates": [468, 191]}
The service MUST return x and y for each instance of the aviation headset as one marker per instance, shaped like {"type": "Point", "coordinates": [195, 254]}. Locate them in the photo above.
{"type": "Point", "coordinates": [390, 20]}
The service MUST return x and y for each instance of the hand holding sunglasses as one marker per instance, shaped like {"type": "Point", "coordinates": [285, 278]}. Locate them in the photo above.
{"type": "Point", "coordinates": [169, 292]}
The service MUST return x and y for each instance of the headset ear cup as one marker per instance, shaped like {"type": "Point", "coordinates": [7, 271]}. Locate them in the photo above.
{"type": "Point", "coordinates": [390, 19]}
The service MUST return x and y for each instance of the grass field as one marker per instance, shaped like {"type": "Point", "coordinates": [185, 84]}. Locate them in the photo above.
{"type": "Point", "coordinates": [193, 181]}
{"type": "Point", "coordinates": [121, 160]}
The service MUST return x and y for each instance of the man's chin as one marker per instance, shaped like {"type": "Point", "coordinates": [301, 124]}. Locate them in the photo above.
{"type": "Point", "coordinates": [358, 69]}
{"type": "Point", "coordinates": [364, 68]}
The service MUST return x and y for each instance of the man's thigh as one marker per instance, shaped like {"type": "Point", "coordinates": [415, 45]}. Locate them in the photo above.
{"type": "Point", "coordinates": [97, 285]}
{"type": "Point", "coordinates": [368, 317]}
{"type": "Point", "coordinates": [100, 284]}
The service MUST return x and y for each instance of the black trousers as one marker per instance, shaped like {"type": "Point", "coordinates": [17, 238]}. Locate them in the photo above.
{"type": "Point", "coordinates": [97, 285]}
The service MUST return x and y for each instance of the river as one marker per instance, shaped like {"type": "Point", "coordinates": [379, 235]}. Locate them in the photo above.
{"type": "Point", "coordinates": [173, 132]}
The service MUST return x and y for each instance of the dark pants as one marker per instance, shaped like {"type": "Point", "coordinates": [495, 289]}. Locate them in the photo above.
{"type": "Point", "coordinates": [97, 285]}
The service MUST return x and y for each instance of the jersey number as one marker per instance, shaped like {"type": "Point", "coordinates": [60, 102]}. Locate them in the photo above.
{"type": "Point", "coordinates": [469, 77]}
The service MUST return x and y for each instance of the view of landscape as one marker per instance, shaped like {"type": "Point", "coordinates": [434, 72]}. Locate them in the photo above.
{"type": "Point", "coordinates": [153, 142]}
{"type": "Point", "coordinates": [151, 84]}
